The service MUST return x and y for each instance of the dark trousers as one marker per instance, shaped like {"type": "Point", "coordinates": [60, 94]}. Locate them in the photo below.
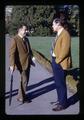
{"type": "Point", "coordinates": [60, 82]}
{"type": "Point", "coordinates": [23, 83]}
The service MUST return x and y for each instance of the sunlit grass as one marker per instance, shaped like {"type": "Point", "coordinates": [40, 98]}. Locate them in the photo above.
{"type": "Point", "coordinates": [43, 45]}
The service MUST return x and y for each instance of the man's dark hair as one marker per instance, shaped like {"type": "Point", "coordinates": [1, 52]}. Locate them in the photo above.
{"type": "Point", "coordinates": [21, 25]}
{"type": "Point", "coordinates": [60, 21]}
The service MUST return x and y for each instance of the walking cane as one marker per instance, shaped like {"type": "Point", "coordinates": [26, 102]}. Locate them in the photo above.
{"type": "Point", "coordinates": [11, 87]}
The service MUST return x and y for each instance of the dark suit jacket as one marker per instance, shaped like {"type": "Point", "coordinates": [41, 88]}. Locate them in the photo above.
{"type": "Point", "coordinates": [19, 55]}
{"type": "Point", "coordinates": [62, 50]}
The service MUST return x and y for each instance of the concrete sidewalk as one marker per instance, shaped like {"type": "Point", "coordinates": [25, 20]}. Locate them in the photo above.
{"type": "Point", "coordinates": [41, 91]}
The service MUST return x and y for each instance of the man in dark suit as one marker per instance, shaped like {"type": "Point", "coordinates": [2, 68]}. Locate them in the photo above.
{"type": "Point", "coordinates": [61, 61]}
{"type": "Point", "coordinates": [20, 56]}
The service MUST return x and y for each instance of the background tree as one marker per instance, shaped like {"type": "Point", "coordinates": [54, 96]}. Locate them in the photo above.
{"type": "Point", "coordinates": [74, 19]}
{"type": "Point", "coordinates": [39, 18]}
{"type": "Point", "coordinates": [69, 14]}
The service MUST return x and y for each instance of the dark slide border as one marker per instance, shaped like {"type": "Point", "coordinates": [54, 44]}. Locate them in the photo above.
{"type": "Point", "coordinates": [3, 4]}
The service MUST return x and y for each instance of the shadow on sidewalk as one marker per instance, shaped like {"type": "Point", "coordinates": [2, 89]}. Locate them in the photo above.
{"type": "Point", "coordinates": [31, 87]}
{"type": "Point", "coordinates": [31, 95]}
{"type": "Point", "coordinates": [73, 99]}
{"type": "Point", "coordinates": [40, 91]}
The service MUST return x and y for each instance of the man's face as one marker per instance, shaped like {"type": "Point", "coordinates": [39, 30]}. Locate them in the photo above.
{"type": "Point", "coordinates": [55, 26]}
{"type": "Point", "coordinates": [23, 31]}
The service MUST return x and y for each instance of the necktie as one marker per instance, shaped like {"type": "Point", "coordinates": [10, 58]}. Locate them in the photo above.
{"type": "Point", "coordinates": [25, 44]}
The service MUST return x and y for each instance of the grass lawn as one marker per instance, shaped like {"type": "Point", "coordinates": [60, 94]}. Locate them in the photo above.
{"type": "Point", "coordinates": [43, 45]}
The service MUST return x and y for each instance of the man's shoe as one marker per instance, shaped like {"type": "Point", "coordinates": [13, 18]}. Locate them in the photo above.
{"type": "Point", "coordinates": [58, 108]}
{"type": "Point", "coordinates": [19, 99]}
{"type": "Point", "coordinates": [23, 101]}
{"type": "Point", "coordinates": [26, 101]}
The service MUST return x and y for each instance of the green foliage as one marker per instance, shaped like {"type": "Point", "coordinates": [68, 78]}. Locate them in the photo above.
{"type": "Point", "coordinates": [36, 17]}
{"type": "Point", "coordinates": [74, 19]}
{"type": "Point", "coordinates": [43, 45]}
{"type": "Point", "coordinates": [39, 18]}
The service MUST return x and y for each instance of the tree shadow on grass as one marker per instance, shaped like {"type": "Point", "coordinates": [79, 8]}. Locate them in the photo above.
{"type": "Point", "coordinates": [74, 98]}
{"type": "Point", "coordinates": [75, 72]}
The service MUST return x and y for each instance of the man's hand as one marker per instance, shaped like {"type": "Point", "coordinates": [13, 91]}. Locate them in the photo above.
{"type": "Point", "coordinates": [11, 69]}
{"type": "Point", "coordinates": [33, 61]}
